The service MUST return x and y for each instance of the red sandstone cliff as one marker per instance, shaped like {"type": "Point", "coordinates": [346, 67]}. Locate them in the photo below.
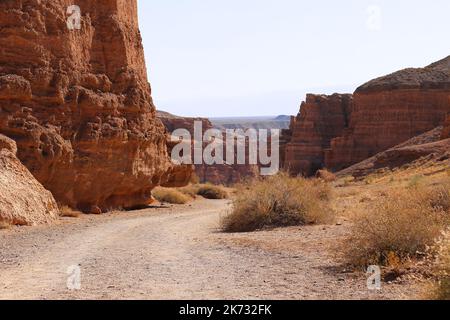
{"type": "Point", "coordinates": [321, 119]}
{"type": "Point", "coordinates": [392, 109]}
{"type": "Point", "coordinates": [78, 102]}
{"type": "Point", "coordinates": [384, 113]}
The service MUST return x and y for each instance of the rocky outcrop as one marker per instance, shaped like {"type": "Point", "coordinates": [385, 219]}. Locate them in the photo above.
{"type": "Point", "coordinates": [78, 103]}
{"type": "Point", "coordinates": [321, 119]}
{"type": "Point", "coordinates": [23, 200]}
{"type": "Point", "coordinates": [336, 133]}
{"type": "Point", "coordinates": [390, 110]}
{"type": "Point", "coordinates": [428, 146]}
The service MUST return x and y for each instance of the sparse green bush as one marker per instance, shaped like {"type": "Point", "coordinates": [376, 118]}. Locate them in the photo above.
{"type": "Point", "coordinates": [279, 201]}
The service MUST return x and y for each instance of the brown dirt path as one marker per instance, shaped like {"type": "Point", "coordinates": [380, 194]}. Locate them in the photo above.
{"type": "Point", "coordinates": [178, 253]}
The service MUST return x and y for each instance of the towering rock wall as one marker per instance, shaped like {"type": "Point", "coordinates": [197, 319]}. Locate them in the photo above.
{"type": "Point", "coordinates": [390, 110]}
{"type": "Point", "coordinates": [78, 103]}
{"type": "Point", "coordinates": [321, 119]}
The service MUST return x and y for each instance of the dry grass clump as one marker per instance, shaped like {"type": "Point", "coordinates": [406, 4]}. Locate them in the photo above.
{"type": "Point", "coordinates": [172, 196]}
{"type": "Point", "coordinates": [326, 175]}
{"type": "Point", "coordinates": [400, 226]}
{"type": "Point", "coordinates": [207, 191]}
{"type": "Point", "coordinates": [442, 291]}
{"type": "Point", "coordinates": [4, 225]}
{"type": "Point", "coordinates": [279, 201]}
{"type": "Point", "coordinates": [213, 192]}
{"type": "Point", "coordinates": [67, 212]}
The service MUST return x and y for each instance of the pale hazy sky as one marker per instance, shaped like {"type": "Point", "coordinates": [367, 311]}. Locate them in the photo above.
{"type": "Point", "coordinates": [260, 57]}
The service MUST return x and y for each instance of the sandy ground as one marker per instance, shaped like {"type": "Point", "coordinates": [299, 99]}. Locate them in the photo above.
{"type": "Point", "coordinates": [179, 253]}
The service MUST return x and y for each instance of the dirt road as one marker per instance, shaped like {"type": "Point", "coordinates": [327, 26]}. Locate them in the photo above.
{"type": "Point", "coordinates": [177, 253]}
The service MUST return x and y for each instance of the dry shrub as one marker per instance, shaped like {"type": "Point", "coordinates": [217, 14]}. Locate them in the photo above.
{"type": "Point", "coordinates": [67, 212]}
{"type": "Point", "coordinates": [213, 192]}
{"type": "Point", "coordinates": [442, 291]}
{"type": "Point", "coordinates": [326, 175]}
{"type": "Point", "coordinates": [172, 196]}
{"type": "Point", "coordinates": [402, 225]}
{"type": "Point", "coordinates": [279, 201]}
{"type": "Point", "coordinates": [207, 191]}
{"type": "Point", "coordinates": [190, 190]}
{"type": "Point", "coordinates": [4, 225]}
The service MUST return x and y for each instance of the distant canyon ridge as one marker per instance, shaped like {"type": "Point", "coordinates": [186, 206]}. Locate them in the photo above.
{"type": "Point", "coordinates": [338, 131]}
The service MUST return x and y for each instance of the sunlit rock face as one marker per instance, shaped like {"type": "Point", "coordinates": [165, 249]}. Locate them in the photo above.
{"type": "Point", "coordinates": [321, 119]}
{"type": "Point", "coordinates": [78, 102]}
{"type": "Point", "coordinates": [392, 109]}
{"type": "Point", "coordinates": [338, 131]}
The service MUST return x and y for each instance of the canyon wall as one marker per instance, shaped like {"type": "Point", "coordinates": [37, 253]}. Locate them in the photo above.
{"type": "Point", "coordinates": [23, 200]}
{"type": "Point", "coordinates": [78, 102]}
{"type": "Point", "coordinates": [336, 133]}
{"type": "Point", "coordinates": [392, 109]}
{"type": "Point", "coordinates": [321, 119]}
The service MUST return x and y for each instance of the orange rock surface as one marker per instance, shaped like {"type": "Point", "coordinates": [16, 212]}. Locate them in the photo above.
{"type": "Point", "coordinates": [321, 119]}
{"type": "Point", "coordinates": [390, 110]}
{"type": "Point", "coordinates": [78, 102]}
{"type": "Point", "coordinates": [336, 133]}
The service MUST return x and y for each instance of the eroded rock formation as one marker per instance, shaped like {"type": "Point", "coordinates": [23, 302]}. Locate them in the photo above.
{"type": "Point", "coordinates": [383, 113]}
{"type": "Point", "coordinates": [78, 103]}
{"type": "Point", "coordinates": [392, 109]}
{"type": "Point", "coordinates": [224, 174]}
{"type": "Point", "coordinates": [321, 119]}
{"type": "Point", "coordinates": [428, 146]}
{"type": "Point", "coordinates": [23, 200]}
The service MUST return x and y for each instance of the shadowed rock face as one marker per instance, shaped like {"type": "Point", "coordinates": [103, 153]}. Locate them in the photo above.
{"type": "Point", "coordinates": [392, 109]}
{"type": "Point", "coordinates": [446, 131]}
{"type": "Point", "coordinates": [23, 200]}
{"type": "Point", "coordinates": [78, 102]}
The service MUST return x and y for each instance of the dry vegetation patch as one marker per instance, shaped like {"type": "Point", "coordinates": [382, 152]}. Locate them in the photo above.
{"type": "Point", "coordinates": [4, 225]}
{"type": "Point", "coordinates": [442, 291]}
{"type": "Point", "coordinates": [399, 226]}
{"type": "Point", "coordinates": [208, 191]}
{"type": "Point", "coordinates": [67, 212]}
{"type": "Point", "coordinates": [279, 201]}
{"type": "Point", "coordinates": [172, 196]}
